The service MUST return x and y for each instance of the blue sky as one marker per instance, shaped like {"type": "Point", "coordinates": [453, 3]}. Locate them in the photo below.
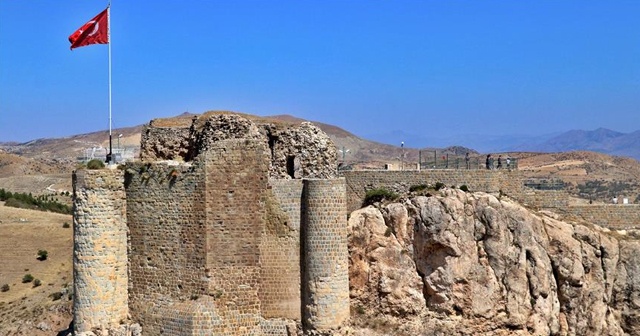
{"type": "Point", "coordinates": [371, 67]}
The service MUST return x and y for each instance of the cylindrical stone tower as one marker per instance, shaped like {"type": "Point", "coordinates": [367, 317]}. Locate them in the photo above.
{"type": "Point", "coordinates": [99, 250]}
{"type": "Point", "coordinates": [325, 265]}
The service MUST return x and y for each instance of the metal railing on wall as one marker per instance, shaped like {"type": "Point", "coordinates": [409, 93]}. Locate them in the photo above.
{"type": "Point", "coordinates": [436, 160]}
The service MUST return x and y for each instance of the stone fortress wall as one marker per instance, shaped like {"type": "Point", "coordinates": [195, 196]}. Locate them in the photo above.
{"type": "Point", "coordinates": [510, 183]}
{"type": "Point", "coordinates": [232, 226]}
{"type": "Point", "coordinates": [215, 233]}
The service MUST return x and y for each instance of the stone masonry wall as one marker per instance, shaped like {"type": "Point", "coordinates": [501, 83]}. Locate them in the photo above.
{"type": "Point", "coordinates": [612, 216]}
{"type": "Point", "coordinates": [294, 150]}
{"type": "Point", "coordinates": [280, 252]}
{"type": "Point", "coordinates": [313, 153]}
{"type": "Point", "coordinates": [236, 192]}
{"type": "Point", "coordinates": [165, 143]}
{"type": "Point", "coordinates": [167, 251]}
{"type": "Point", "coordinates": [359, 182]}
{"type": "Point", "coordinates": [325, 273]}
{"type": "Point", "coordinates": [100, 250]}
{"type": "Point", "coordinates": [544, 199]}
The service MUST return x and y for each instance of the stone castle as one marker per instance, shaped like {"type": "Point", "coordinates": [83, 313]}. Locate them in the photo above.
{"type": "Point", "coordinates": [227, 226]}
{"type": "Point", "coordinates": [233, 225]}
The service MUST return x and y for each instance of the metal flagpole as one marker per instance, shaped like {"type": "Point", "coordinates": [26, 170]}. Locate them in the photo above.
{"type": "Point", "coordinates": [110, 158]}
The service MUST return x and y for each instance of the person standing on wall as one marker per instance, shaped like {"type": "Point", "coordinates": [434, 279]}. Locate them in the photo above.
{"type": "Point", "coordinates": [466, 160]}
{"type": "Point", "coordinates": [499, 162]}
{"type": "Point", "coordinates": [488, 161]}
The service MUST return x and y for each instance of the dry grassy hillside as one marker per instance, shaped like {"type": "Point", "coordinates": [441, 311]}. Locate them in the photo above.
{"type": "Point", "coordinates": [26, 309]}
{"type": "Point", "coordinates": [69, 149]}
{"type": "Point", "coordinates": [587, 174]}
{"type": "Point", "coordinates": [46, 184]}
{"type": "Point", "coordinates": [16, 165]}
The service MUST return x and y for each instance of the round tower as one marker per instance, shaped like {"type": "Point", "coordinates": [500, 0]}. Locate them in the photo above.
{"type": "Point", "coordinates": [99, 250]}
{"type": "Point", "coordinates": [325, 265]}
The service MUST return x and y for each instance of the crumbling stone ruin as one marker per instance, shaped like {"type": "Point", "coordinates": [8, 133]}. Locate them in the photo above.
{"type": "Point", "coordinates": [232, 225]}
{"type": "Point", "coordinates": [227, 226]}
{"type": "Point", "coordinates": [294, 151]}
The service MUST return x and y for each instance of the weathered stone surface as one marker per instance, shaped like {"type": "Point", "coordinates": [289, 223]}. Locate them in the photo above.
{"type": "Point", "coordinates": [489, 266]}
{"type": "Point", "coordinates": [100, 249]}
{"type": "Point", "coordinates": [165, 143]}
{"type": "Point", "coordinates": [313, 153]}
{"type": "Point", "coordinates": [211, 244]}
{"type": "Point", "coordinates": [626, 287]}
{"type": "Point", "coordinates": [325, 275]}
{"type": "Point", "coordinates": [294, 151]}
{"type": "Point", "coordinates": [378, 275]}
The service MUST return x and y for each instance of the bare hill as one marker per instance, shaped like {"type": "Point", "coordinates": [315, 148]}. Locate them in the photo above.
{"type": "Point", "coordinates": [357, 150]}
{"type": "Point", "coordinates": [600, 140]}
{"type": "Point", "coordinates": [81, 146]}
{"type": "Point", "coordinates": [587, 174]}
{"type": "Point", "coordinates": [26, 309]}
{"type": "Point", "coordinates": [17, 165]}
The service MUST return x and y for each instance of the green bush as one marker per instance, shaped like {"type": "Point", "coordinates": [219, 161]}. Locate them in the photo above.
{"type": "Point", "coordinates": [37, 283]}
{"type": "Point", "coordinates": [95, 164]}
{"type": "Point", "coordinates": [379, 194]}
{"type": "Point", "coordinates": [16, 203]}
{"type": "Point", "coordinates": [4, 288]}
{"type": "Point", "coordinates": [42, 255]}
{"type": "Point", "coordinates": [27, 278]}
{"type": "Point", "coordinates": [464, 188]}
{"type": "Point", "coordinates": [419, 187]}
{"type": "Point", "coordinates": [439, 185]}
{"type": "Point", "coordinates": [56, 296]}
{"type": "Point", "coordinates": [66, 225]}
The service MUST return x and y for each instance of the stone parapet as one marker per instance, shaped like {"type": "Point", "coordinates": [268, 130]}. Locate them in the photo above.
{"type": "Point", "coordinates": [492, 181]}
{"type": "Point", "coordinates": [100, 250]}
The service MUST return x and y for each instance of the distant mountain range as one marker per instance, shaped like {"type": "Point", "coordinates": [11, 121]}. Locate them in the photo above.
{"type": "Point", "coordinates": [601, 140]}
{"type": "Point", "coordinates": [372, 147]}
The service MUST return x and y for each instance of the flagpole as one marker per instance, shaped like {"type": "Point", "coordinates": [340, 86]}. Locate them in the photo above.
{"type": "Point", "coordinates": [110, 158]}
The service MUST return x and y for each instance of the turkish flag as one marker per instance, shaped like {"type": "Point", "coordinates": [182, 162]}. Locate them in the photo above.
{"type": "Point", "coordinates": [96, 31]}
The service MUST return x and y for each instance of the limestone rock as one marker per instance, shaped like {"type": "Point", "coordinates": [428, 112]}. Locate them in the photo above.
{"type": "Point", "coordinates": [378, 270]}
{"type": "Point", "coordinates": [44, 326]}
{"type": "Point", "coordinates": [489, 266]}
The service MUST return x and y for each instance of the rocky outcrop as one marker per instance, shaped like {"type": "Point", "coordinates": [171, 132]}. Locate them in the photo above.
{"type": "Point", "coordinates": [378, 275]}
{"type": "Point", "coordinates": [486, 265]}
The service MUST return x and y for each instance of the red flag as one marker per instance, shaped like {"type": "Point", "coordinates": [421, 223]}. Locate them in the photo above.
{"type": "Point", "coordinates": [96, 31]}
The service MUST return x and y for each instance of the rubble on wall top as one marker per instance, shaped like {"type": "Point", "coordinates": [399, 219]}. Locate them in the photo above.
{"type": "Point", "coordinates": [296, 150]}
